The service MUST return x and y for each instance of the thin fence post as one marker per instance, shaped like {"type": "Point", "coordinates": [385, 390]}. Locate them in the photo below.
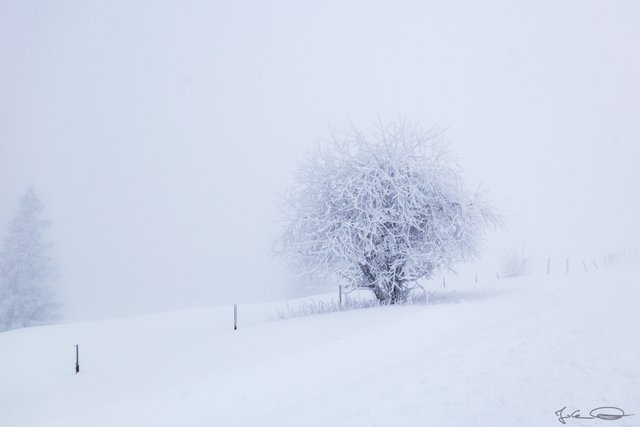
{"type": "Point", "coordinates": [567, 265]}
{"type": "Point", "coordinates": [548, 265]}
{"type": "Point", "coordinates": [444, 283]}
{"type": "Point", "coordinates": [235, 317]}
{"type": "Point", "coordinates": [476, 278]}
{"type": "Point", "coordinates": [340, 294]}
{"type": "Point", "coordinates": [77, 359]}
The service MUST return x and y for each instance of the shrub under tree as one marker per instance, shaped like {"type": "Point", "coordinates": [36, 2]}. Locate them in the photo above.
{"type": "Point", "coordinates": [383, 211]}
{"type": "Point", "coordinates": [26, 271]}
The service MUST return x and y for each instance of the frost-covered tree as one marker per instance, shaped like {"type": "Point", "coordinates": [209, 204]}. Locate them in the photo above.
{"type": "Point", "coordinates": [26, 271]}
{"type": "Point", "coordinates": [382, 211]}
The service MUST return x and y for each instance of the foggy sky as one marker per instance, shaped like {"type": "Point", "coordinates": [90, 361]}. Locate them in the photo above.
{"type": "Point", "coordinates": [160, 134]}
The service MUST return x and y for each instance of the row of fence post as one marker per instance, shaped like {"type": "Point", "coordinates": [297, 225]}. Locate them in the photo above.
{"type": "Point", "coordinates": [609, 259]}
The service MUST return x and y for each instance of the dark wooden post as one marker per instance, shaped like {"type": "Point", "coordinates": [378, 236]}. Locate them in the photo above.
{"type": "Point", "coordinates": [77, 360]}
{"type": "Point", "coordinates": [235, 317]}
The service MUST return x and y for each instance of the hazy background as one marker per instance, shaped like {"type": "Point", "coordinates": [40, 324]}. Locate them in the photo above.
{"type": "Point", "coordinates": [160, 133]}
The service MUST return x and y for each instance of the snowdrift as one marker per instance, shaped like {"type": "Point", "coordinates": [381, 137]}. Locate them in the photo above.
{"type": "Point", "coordinates": [505, 353]}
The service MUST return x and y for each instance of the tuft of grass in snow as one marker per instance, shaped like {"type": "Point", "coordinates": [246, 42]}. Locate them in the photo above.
{"type": "Point", "coordinates": [311, 307]}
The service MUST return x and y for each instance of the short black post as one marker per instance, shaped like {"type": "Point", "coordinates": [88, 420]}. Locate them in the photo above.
{"type": "Point", "coordinates": [77, 360]}
{"type": "Point", "coordinates": [235, 317]}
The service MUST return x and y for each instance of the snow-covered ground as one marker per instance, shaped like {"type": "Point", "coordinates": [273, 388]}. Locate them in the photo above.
{"type": "Point", "coordinates": [505, 353]}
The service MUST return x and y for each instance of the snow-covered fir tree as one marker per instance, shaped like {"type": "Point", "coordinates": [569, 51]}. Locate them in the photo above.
{"type": "Point", "coordinates": [383, 211]}
{"type": "Point", "coordinates": [26, 270]}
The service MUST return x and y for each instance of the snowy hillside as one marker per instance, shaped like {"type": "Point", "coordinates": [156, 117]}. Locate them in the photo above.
{"type": "Point", "coordinates": [506, 353]}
